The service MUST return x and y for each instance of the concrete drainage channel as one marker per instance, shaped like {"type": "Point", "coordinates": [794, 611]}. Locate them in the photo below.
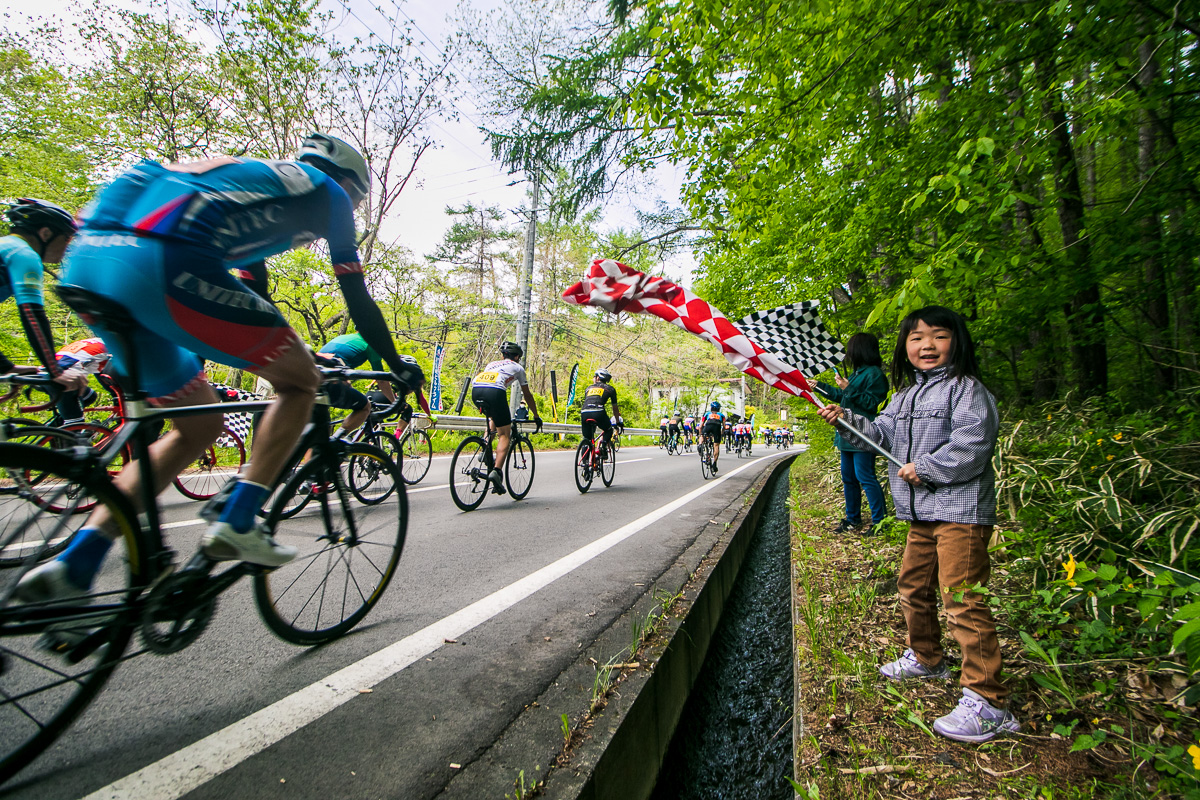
{"type": "Point", "coordinates": [621, 752]}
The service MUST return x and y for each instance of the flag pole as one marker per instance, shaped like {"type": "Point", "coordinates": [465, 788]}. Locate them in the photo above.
{"type": "Point", "coordinates": [862, 437]}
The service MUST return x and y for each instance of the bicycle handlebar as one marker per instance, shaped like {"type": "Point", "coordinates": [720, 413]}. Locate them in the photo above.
{"type": "Point", "coordinates": [40, 381]}
{"type": "Point", "coordinates": [344, 374]}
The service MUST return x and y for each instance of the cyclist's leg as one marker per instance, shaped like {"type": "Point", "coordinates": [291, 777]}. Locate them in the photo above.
{"type": "Point", "coordinates": [343, 395]}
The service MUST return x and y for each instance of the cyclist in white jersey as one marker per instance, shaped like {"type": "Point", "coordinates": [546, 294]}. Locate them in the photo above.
{"type": "Point", "coordinates": [489, 393]}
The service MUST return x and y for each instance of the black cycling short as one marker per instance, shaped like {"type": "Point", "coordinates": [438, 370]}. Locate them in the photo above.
{"type": "Point", "coordinates": [713, 431]}
{"type": "Point", "coordinates": [674, 429]}
{"type": "Point", "coordinates": [493, 403]}
{"type": "Point", "coordinates": [380, 399]}
{"type": "Point", "coordinates": [343, 395]}
{"type": "Point", "coordinates": [589, 418]}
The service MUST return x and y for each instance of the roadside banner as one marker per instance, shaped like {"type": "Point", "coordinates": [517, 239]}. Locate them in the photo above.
{"type": "Point", "coordinates": [554, 392]}
{"type": "Point", "coordinates": [435, 393]}
{"type": "Point", "coordinates": [571, 384]}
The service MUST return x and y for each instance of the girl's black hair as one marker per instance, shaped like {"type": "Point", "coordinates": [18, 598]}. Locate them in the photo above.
{"type": "Point", "coordinates": [862, 350]}
{"type": "Point", "coordinates": [963, 363]}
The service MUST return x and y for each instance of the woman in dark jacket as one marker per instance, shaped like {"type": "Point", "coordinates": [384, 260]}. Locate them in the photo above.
{"type": "Point", "coordinates": [866, 388]}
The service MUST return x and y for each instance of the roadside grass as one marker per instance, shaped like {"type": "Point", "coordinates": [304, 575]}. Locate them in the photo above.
{"type": "Point", "coordinates": [864, 737]}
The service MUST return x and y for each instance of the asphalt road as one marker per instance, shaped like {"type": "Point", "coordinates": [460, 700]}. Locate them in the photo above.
{"type": "Point", "coordinates": [485, 611]}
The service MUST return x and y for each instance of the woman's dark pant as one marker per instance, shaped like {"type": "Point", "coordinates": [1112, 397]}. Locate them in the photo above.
{"type": "Point", "coordinates": [858, 477]}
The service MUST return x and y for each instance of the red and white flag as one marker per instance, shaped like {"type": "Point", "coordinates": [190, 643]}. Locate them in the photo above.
{"type": "Point", "coordinates": [615, 287]}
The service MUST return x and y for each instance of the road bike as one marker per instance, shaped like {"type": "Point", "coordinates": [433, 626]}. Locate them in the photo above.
{"type": "Point", "coordinates": [56, 655]}
{"type": "Point", "coordinates": [592, 458]}
{"type": "Point", "coordinates": [474, 460]}
{"type": "Point", "coordinates": [673, 445]}
{"type": "Point", "coordinates": [704, 447]}
{"type": "Point", "coordinates": [410, 449]}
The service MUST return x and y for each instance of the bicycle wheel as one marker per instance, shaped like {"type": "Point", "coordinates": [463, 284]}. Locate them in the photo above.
{"type": "Point", "coordinates": [348, 553]}
{"type": "Point", "coordinates": [62, 440]}
{"type": "Point", "coordinates": [469, 473]}
{"type": "Point", "coordinates": [608, 464]}
{"type": "Point", "coordinates": [295, 501]}
{"type": "Point", "coordinates": [55, 656]}
{"type": "Point", "coordinates": [583, 466]}
{"type": "Point", "coordinates": [518, 470]}
{"type": "Point", "coordinates": [705, 465]}
{"type": "Point", "coordinates": [417, 455]}
{"type": "Point", "coordinates": [616, 443]}
{"type": "Point", "coordinates": [365, 476]}
{"type": "Point", "coordinates": [219, 462]}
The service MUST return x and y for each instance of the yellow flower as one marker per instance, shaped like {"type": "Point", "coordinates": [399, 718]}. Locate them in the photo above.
{"type": "Point", "coordinates": [1093, 467]}
{"type": "Point", "coordinates": [1099, 441]}
{"type": "Point", "coordinates": [1109, 457]}
{"type": "Point", "coordinates": [1117, 437]}
{"type": "Point", "coordinates": [1049, 417]}
{"type": "Point", "coordinates": [1069, 566]}
{"type": "Point", "coordinates": [1194, 752]}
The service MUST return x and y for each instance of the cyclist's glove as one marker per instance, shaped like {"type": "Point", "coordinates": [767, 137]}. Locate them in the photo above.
{"type": "Point", "coordinates": [408, 377]}
{"type": "Point", "coordinates": [538, 422]}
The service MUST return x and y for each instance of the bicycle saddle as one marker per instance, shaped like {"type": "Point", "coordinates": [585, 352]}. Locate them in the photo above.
{"type": "Point", "coordinates": [95, 309]}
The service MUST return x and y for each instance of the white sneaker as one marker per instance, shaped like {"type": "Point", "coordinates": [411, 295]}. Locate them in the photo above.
{"type": "Point", "coordinates": [223, 543]}
{"type": "Point", "coordinates": [47, 583]}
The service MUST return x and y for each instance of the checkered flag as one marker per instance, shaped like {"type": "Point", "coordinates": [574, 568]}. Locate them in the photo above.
{"type": "Point", "coordinates": [237, 422]}
{"type": "Point", "coordinates": [616, 287]}
{"type": "Point", "coordinates": [796, 334]}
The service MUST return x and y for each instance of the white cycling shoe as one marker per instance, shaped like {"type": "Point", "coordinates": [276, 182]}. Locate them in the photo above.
{"type": "Point", "coordinates": [47, 583]}
{"type": "Point", "coordinates": [222, 543]}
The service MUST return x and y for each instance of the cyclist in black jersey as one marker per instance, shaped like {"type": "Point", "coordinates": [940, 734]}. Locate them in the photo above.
{"type": "Point", "coordinates": [592, 412]}
{"type": "Point", "coordinates": [712, 426]}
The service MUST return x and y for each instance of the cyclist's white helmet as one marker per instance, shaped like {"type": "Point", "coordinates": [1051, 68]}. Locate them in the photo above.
{"type": "Point", "coordinates": [338, 160]}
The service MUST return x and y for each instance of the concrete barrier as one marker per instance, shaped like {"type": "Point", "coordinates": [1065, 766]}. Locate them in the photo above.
{"type": "Point", "coordinates": [621, 754]}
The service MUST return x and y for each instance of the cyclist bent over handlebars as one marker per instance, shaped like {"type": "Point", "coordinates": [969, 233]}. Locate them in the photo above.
{"type": "Point", "coordinates": [489, 393]}
{"type": "Point", "coordinates": [162, 241]}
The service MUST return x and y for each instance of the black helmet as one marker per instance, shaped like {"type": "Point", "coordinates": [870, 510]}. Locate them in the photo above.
{"type": "Point", "coordinates": [715, 406]}
{"type": "Point", "coordinates": [31, 215]}
{"type": "Point", "coordinates": [338, 160]}
{"type": "Point", "coordinates": [511, 350]}
{"type": "Point", "coordinates": [603, 375]}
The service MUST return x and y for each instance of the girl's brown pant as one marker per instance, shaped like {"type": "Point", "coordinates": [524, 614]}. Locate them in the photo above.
{"type": "Point", "coordinates": [952, 557]}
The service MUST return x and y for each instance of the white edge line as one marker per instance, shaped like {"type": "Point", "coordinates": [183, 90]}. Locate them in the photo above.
{"type": "Point", "coordinates": [187, 769]}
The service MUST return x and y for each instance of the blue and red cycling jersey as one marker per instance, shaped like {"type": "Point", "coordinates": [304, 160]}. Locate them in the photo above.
{"type": "Point", "coordinates": [243, 210]}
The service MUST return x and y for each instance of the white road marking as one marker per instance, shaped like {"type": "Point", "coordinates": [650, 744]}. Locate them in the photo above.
{"type": "Point", "coordinates": [634, 460]}
{"type": "Point", "coordinates": [187, 769]}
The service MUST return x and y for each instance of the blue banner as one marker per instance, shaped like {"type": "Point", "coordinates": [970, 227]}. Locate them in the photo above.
{"type": "Point", "coordinates": [435, 392]}
{"type": "Point", "coordinates": [571, 386]}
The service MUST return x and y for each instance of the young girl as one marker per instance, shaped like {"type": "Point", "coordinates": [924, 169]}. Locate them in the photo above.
{"type": "Point", "coordinates": [943, 423]}
{"type": "Point", "coordinates": [861, 393]}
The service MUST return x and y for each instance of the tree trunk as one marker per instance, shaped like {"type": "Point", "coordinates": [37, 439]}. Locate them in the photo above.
{"type": "Point", "coordinates": [1084, 309]}
{"type": "Point", "coordinates": [1154, 278]}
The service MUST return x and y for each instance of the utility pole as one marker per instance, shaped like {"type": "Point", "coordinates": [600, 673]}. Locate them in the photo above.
{"type": "Point", "coordinates": [526, 290]}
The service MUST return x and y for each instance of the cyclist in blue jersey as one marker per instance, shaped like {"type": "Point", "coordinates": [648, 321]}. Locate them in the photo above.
{"type": "Point", "coordinates": [39, 234]}
{"type": "Point", "coordinates": [352, 350]}
{"type": "Point", "coordinates": [162, 241]}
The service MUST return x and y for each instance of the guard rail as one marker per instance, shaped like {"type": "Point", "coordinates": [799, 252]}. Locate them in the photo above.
{"type": "Point", "coordinates": [447, 422]}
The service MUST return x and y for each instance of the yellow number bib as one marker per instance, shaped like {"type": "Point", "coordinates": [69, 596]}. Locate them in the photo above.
{"type": "Point", "coordinates": [487, 377]}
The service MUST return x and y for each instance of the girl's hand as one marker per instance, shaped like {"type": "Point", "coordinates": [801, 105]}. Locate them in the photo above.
{"type": "Point", "coordinates": [830, 413]}
{"type": "Point", "coordinates": [908, 474]}
{"type": "Point", "coordinates": [840, 381]}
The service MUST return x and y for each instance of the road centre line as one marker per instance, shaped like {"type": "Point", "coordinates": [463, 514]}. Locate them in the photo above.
{"type": "Point", "coordinates": [634, 460]}
{"type": "Point", "coordinates": [193, 766]}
